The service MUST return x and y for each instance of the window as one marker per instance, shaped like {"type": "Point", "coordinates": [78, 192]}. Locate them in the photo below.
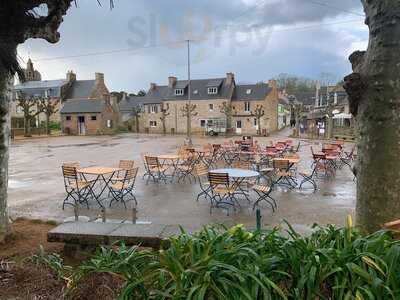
{"type": "Point", "coordinates": [109, 123]}
{"type": "Point", "coordinates": [195, 92]}
{"type": "Point", "coordinates": [239, 124]}
{"type": "Point", "coordinates": [255, 122]}
{"type": "Point", "coordinates": [212, 90]}
{"type": "Point", "coordinates": [202, 123]}
{"type": "Point", "coordinates": [248, 91]}
{"type": "Point", "coordinates": [153, 123]}
{"type": "Point", "coordinates": [153, 109]}
{"type": "Point", "coordinates": [211, 107]}
{"type": "Point", "coordinates": [93, 118]}
{"type": "Point", "coordinates": [178, 92]}
{"type": "Point", "coordinates": [68, 118]}
{"type": "Point", "coordinates": [247, 106]}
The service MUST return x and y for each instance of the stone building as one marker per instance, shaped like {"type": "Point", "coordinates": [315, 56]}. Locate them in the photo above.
{"type": "Point", "coordinates": [89, 116]}
{"type": "Point", "coordinates": [209, 96]}
{"type": "Point", "coordinates": [59, 91]}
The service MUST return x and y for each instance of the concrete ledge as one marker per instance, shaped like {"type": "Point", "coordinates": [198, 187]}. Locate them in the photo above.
{"type": "Point", "coordinates": [93, 233]}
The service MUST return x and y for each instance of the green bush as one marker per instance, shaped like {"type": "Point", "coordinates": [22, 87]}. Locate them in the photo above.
{"type": "Point", "coordinates": [55, 126]}
{"type": "Point", "coordinates": [221, 263]}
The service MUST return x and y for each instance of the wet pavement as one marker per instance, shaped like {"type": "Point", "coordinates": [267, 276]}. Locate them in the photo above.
{"type": "Point", "coordinates": [36, 188]}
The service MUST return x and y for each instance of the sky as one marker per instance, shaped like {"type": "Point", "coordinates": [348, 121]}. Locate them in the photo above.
{"type": "Point", "coordinates": [144, 41]}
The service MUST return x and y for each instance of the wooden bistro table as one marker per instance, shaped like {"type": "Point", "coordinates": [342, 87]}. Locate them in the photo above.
{"type": "Point", "coordinates": [102, 175]}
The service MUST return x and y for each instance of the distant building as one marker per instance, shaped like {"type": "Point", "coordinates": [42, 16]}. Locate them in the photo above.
{"type": "Point", "coordinates": [59, 91]}
{"type": "Point", "coordinates": [209, 96]}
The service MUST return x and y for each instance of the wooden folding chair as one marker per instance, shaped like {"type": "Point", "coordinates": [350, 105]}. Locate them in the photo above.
{"type": "Point", "coordinates": [122, 188]}
{"type": "Point", "coordinates": [221, 190]}
{"type": "Point", "coordinates": [76, 188]}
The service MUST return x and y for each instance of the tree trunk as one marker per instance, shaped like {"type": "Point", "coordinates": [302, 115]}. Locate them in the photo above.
{"type": "Point", "coordinates": [374, 93]}
{"type": "Point", "coordinates": [4, 144]}
{"type": "Point", "coordinates": [137, 124]}
{"type": "Point", "coordinates": [329, 129]}
{"type": "Point", "coordinates": [48, 124]}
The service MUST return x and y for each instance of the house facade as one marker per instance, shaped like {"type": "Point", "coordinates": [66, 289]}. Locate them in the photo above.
{"type": "Point", "coordinates": [58, 91]}
{"type": "Point", "coordinates": [220, 105]}
{"type": "Point", "coordinates": [89, 116]}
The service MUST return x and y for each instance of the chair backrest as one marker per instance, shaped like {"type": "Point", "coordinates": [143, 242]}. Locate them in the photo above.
{"type": "Point", "coordinates": [201, 170]}
{"type": "Point", "coordinates": [72, 164]}
{"type": "Point", "coordinates": [126, 164]}
{"type": "Point", "coordinates": [216, 179]}
{"type": "Point", "coordinates": [312, 150]}
{"type": "Point", "coordinates": [152, 161]}
{"type": "Point", "coordinates": [281, 164]}
{"type": "Point", "coordinates": [130, 174]}
{"type": "Point", "coordinates": [69, 172]}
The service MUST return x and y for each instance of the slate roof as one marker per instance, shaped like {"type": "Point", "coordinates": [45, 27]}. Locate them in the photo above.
{"type": "Point", "coordinates": [83, 106]}
{"type": "Point", "coordinates": [130, 102]}
{"type": "Point", "coordinates": [257, 92]}
{"type": "Point", "coordinates": [307, 98]}
{"type": "Point", "coordinates": [39, 88]}
{"type": "Point", "coordinates": [80, 89]}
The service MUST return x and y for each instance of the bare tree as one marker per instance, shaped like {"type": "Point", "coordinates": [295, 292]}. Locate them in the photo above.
{"type": "Point", "coordinates": [31, 109]}
{"type": "Point", "coordinates": [374, 95]}
{"type": "Point", "coordinates": [136, 113]}
{"type": "Point", "coordinates": [19, 22]}
{"type": "Point", "coordinates": [227, 110]}
{"type": "Point", "coordinates": [258, 113]}
{"type": "Point", "coordinates": [49, 107]}
{"type": "Point", "coordinates": [164, 115]}
{"type": "Point", "coordinates": [188, 111]}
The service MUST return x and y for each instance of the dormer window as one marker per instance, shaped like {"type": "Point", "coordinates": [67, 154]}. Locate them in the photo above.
{"type": "Point", "coordinates": [248, 91]}
{"type": "Point", "coordinates": [178, 92]}
{"type": "Point", "coordinates": [212, 90]}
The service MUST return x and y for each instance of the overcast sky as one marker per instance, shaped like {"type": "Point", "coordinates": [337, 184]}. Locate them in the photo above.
{"type": "Point", "coordinates": [255, 39]}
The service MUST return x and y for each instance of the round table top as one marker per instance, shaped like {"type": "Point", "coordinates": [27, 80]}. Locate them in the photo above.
{"type": "Point", "coordinates": [237, 173]}
{"type": "Point", "coordinates": [169, 156]}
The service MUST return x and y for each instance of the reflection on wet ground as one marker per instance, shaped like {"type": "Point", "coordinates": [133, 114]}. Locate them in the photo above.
{"type": "Point", "coordinates": [36, 187]}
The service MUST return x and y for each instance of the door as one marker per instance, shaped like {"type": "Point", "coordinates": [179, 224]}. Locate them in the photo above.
{"type": "Point", "coordinates": [239, 127]}
{"type": "Point", "coordinates": [81, 125]}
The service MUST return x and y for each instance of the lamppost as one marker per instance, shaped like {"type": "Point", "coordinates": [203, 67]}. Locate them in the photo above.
{"type": "Point", "coordinates": [189, 131]}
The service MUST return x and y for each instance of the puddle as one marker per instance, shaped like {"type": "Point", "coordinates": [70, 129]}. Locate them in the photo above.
{"type": "Point", "coordinates": [15, 184]}
{"type": "Point", "coordinates": [73, 145]}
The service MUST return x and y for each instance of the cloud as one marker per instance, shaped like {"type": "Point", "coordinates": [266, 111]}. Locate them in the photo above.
{"type": "Point", "coordinates": [227, 40]}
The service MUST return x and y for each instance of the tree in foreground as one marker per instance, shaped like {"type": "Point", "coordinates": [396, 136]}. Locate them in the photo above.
{"type": "Point", "coordinates": [20, 22]}
{"type": "Point", "coordinates": [374, 94]}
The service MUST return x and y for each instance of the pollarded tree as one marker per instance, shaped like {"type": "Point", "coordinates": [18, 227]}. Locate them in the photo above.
{"type": "Point", "coordinates": [19, 22]}
{"type": "Point", "coordinates": [136, 113]}
{"type": "Point", "coordinates": [49, 107]}
{"type": "Point", "coordinates": [227, 110]}
{"type": "Point", "coordinates": [164, 115]}
{"type": "Point", "coordinates": [258, 113]}
{"type": "Point", "coordinates": [189, 111]}
{"type": "Point", "coordinates": [374, 94]}
{"type": "Point", "coordinates": [31, 109]}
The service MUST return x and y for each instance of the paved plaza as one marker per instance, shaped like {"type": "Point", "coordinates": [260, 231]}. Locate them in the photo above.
{"type": "Point", "coordinates": [36, 188]}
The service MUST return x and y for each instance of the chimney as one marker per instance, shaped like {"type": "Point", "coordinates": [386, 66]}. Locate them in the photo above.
{"type": "Point", "coordinates": [230, 78]}
{"type": "Point", "coordinates": [153, 86]}
{"type": "Point", "coordinates": [172, 81]}
{"type": "Point", "coordinates": [99, 78]}
{"type": "Point", "coordinates": [71, 76]}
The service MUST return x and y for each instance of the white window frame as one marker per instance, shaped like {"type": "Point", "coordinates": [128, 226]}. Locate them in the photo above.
{"type": "Point", "coordinates": [255, 122]}
{"type": "Point", "coordinates": [109, 124]}
{"type": "Point", "coordinates": [247, 106]}
{"type": "Point", "coordinates": [178, 92]}
{"type": "Point", "coordinates": [153, 108]}
{"type": "Point", "coordinates": [211, 106]}
{"type": "Point", "coordinates": [153, 124]}
{"type": "Point", "coordinates": [248, 91]}
{"type": "Point", "coordinates": [212, 90]}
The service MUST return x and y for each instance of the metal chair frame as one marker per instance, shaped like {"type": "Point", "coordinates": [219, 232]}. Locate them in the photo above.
{"type": "Point", "coordinates": [72, 184]}
{"type": "Point", "coordinates": [127, 187]}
